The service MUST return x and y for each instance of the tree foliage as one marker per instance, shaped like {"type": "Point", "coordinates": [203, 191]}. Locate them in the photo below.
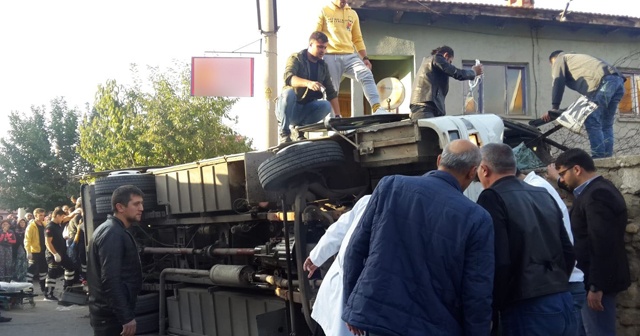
{"type": "Point", "coordinates": [164, 125]}
{"type": "Point", "coordinates": [38, 158]}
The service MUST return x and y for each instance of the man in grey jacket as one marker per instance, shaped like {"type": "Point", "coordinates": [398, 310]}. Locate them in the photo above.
{"type": "Point", "coordinates": [600, 82]}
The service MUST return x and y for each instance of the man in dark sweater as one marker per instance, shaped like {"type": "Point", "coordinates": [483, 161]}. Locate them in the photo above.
{"type": "Point", "coordinates": [598, 222]}
{"type": "Point", "coordinates": [597, 80]}
{"type": "Point", "coordinates": [534, 256]}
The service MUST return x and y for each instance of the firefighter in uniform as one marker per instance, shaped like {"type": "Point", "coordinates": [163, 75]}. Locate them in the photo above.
{"type": "Point", "coordinates": [56, 255]}
{"type": "Point", "coordinates": [34, 244]}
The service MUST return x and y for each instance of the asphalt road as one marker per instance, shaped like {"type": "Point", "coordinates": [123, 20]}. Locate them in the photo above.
{"type": "Point", "coordinates": [47, 318]}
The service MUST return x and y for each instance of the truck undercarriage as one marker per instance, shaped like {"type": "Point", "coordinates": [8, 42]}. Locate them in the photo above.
{"type": "Point", "coordinates": [222, 241]}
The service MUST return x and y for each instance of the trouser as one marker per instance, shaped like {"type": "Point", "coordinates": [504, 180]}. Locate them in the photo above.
{"type": "Point", "coordinates": [352, 66]}
{"type": "Point", "coordinates": [105, 326]}
{"type": "Point", "coordinates": [55, 271]}
{"type": "Point", "coordinates": [549, 315]}
{"type": "Point", "coordinates": [599, 124]}
{"type": "Point", "coordinates": [6, 262]}
{"type": "Point", "coordinates": [600, 323]}
{"type": "Point", "coordinates": [37, 268]}
{"type": "Point", "coordinates": [289, 112]}
{"type": "Point", "coordinates": [579, 295]}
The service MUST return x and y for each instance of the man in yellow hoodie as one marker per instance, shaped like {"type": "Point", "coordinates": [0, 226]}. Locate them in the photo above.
{"type": "Point", "coordinates": [34, 244]}
{"type": "Point", "coordinates": [341, 24]}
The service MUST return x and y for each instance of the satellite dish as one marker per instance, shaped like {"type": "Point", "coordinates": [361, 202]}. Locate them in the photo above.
{"type": "Point", "coordinates": [391, 93]}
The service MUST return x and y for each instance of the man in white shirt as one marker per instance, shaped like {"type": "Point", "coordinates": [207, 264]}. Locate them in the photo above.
{"type": "Point", "coordinates": [327, 309]}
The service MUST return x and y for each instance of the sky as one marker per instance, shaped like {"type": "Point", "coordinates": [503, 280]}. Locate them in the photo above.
{"type": "Point", "coordinates": [69, 47]}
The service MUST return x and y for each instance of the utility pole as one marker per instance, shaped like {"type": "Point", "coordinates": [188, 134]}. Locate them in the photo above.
{"type": "Point", "coordinates": [268, 24]}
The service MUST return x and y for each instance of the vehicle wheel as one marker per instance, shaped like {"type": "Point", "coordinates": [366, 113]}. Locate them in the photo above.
{"type": "Point", "coordinates": [297, 161]}
{"type": "Point", "coordinates": [103, 203]}
{"type": "Point", "coordinates": [146, 324]}
{"type": "Point", "coordinates": [147, 303]}
{"type": "Point", "coordinates": [106, 185]}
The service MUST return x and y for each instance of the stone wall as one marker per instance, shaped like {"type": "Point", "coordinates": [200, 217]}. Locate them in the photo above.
{"type": "Point", "coordinates": [624, 172]}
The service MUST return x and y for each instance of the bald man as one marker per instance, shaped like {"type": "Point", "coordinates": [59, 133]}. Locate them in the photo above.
{"type": "Point", "coordinates": [429, 255]}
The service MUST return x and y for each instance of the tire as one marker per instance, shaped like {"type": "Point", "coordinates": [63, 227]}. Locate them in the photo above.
{"type": "Point", "coordinates": [148, 303]}
{"type": "Point", "coordinates": [296, 161]}
{"type": "Point", "coordinates": [146, 324]}
{"type": "Point", "coordinates": [106, 185]}
{"type": "Point", "coordinates": [103, 203]}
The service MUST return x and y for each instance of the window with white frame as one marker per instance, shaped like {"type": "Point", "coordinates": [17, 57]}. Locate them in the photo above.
{"type": "Point", "coordinates": [629, 106]}
{"type": "Point", "coordinates": [502, 90]}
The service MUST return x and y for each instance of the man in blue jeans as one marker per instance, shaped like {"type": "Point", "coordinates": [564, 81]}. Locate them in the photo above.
{"type": "Point", "coordinates": [601, 83]}
{"type": "Point", "coordinates": [307, 79]}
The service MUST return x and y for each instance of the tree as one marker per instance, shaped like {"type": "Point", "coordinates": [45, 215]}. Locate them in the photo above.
{"type": "Point", "coordinates": [166, 126]}
{"type": "Point", "coordinates": [38, 159]}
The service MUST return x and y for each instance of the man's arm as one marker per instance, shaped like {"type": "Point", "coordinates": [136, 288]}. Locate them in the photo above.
{"type": "Point", "coordinates": [48, 243]}
{"type": "Point", "coordinates": [599, 212]}
{"type": "Point", "coordinates": [491, 201]}
{"type": "Point", "coordinates": [110, 252]}
{"type": "Point", "coordinates": [358, 249]}
{"type": "Point", "coordinates": [558, 73]}
{"type": "Point", "coordinates": [320, 23]}
{"type": "Point", "coordinates": [291, 70]}
{"type": "Point", "coordinates": [459, 74]}
{"type": "Point", "coordinates": [330, 242]}
{"type": "Point", "coordinates": [477, 280]}
{"type": "Point", "coordinates": [567, 246]}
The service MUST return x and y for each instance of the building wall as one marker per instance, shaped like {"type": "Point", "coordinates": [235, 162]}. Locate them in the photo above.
{"type": "Point", "coordinates": [513, 43]}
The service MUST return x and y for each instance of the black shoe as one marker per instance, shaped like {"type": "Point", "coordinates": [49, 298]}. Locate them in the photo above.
{"type": "Point", "coordinates": [51, 297]}
{"type": "Point", "coordinates": [284, 138]}
{"type": "Point", "coordinates": [4, 319]}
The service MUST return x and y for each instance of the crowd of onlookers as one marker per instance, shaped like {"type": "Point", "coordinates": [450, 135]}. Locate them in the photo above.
{"type": "Point", "coordinates": [45, 246]}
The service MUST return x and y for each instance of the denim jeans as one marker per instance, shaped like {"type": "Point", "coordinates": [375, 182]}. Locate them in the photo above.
{"type": "Point", "coordinates": [579, 295]}
{"type": "Point", "coordinates": [599, 124]}
{"type": "Point", "coordinates": [549, 315]}
{"type": "Point", "coordinates": [352, 66]}
{"type": "Point", "coordinates": [601, 323]}
{"type": "Point", "coordinates": [289, 112]}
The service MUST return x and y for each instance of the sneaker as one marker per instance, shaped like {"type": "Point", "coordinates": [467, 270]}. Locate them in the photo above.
{"type": "Point", "coordinates": [4, 319]}
{"type": "Point", "coordinates": [301, 137]}
{"type": "Point", "coordinates": [284, 138]}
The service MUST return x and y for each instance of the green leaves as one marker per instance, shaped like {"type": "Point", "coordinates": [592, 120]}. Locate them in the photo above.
{"type": "Point", "coordinates": [164, 125]}
{"type": "Point", "coordinates": [38, 158]}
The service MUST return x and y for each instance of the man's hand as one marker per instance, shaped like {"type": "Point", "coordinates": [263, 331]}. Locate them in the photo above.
{"type": "Point", "coordinates": [552, 172]}
{"type": "Point", "coordinates": [547, 117]}
{"type": "Point", "coordinates": [57, 257]}
{"type": "Point", "coordinates": [29, 256]}
{"type": "Point", "coordinates": [355, 330]}
{"type": "Point", "coordinates": [478, 69]}
{"type": "Point", "coordinates": [335, 115]}
{"type": "Point", "coordinates": [315, 86]}
{"type": "Point", "coordinates": [129, 329]}
{"type": "Point", "coordinates": [367, 63]}
{"type": "Point", "coordinates": [594, 300]}
{"type": "Point", "coordinates": [309, 266]}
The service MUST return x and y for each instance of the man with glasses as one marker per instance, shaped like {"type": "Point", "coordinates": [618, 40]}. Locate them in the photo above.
{"type": "Point", "coordinates": [598, 222]}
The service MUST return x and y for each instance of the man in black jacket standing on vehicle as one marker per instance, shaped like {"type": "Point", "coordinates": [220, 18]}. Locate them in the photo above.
{"type": "Point", "coordinates": [431, 85]}
{"type": "Point", "coordinates": [598, 222]}
{"type": "Point", "coordinates": [114, 273]}
{"type": "Point", "coordinates": [534, 256]}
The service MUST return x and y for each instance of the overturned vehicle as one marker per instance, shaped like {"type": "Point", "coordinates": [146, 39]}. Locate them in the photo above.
{"type": "Point", "coordinates": [222, 241]}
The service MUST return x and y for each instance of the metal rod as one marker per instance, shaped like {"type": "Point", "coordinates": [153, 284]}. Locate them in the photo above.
{"type": "Point", "coordinates": [287, 249]}
{"type": "Point", "coordinates": [184, 250]}
{"type": "Point", "coordinates": [300, 234]}
{"type": "Point", "coordinates": [234, 251]}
